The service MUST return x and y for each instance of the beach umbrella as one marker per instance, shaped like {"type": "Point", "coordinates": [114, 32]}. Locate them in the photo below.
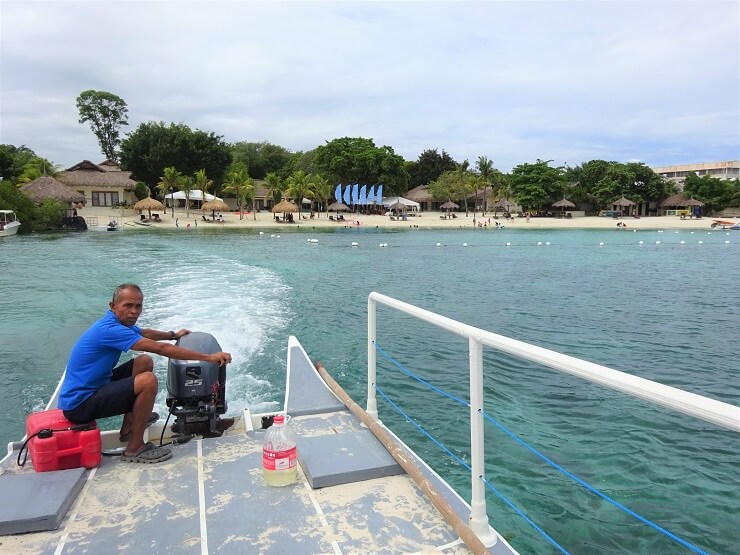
{"type": "Point", "coordinates": [284, 206]}
{"type": "Point", "coordinates": [449, 205]}
{"type": "Point", "coordinates": [623, 202]}
{"type": "Point", "coordinates": [149, 204]}
{"type": "Point", "coordinates": [338, 207]}
{"type": "Point", "coordinates": [563, 204]}
{"type": "Point", "coordinates": [213, 205]}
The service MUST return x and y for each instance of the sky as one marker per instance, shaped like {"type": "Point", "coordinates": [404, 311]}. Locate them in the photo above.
{"type": "Point", "coordinates": [647, 81]}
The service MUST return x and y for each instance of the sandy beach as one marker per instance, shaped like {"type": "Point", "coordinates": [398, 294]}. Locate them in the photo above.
{"type": "Point", "coordinates": [130, 219]}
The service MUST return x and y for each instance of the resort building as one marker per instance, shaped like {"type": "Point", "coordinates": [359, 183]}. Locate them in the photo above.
{"type": "Point", "coordinates": [103, 184]}
{"type": "Point", "coordinates": [721, 170]}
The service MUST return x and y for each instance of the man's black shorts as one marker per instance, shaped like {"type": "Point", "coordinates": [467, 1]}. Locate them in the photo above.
{"type": "Point", "coordinates": [112, 399]}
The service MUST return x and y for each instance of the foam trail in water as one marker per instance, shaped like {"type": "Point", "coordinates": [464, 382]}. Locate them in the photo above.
{"type": "Point", "coordinates": [240, 305]}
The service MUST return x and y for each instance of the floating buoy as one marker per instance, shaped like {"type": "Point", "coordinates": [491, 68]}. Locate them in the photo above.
{"type": "Point", "coordinates": [601, 244]}
{"type": "Point", "coordinates": [701, 242]}
{"type": "Point", "coordinates": [641, 242]}
{"type": "Point", "coordinates": [465, 244]}
{"type": "Point", "coordinates": [262, 232]}
{"type": "Point", "coordinates": [277, 237]}
{"type": "Point", "coordinates": [313, 240]}
{"type": "Point", "coordinates": [727, 242]}
{"type": "Point", "coordinates": [508, 244]}
{"type": "Point", "coordinates": [539, 243]}
{"type": "Point", "coordinates": [692, 233]}
{"type": "Point", "coordinates": [439, 244]}
{"type": "Point", "coordinates": [355, 243]}
{"type": "Point", "coordinates": [634, 231]}
{"type": "Point", "coordinates": [547, 243]}
{"type": "Point", "coordinates": [272, 235]}
{"type": "Point", "coordinates": [657, 242]}
{"type": "Point", "coordinates": [682, 242]}
{"type": "Point", "coordinates": [660, 231]}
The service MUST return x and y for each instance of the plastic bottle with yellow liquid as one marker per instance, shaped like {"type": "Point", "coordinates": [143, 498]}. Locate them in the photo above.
{"type": "Point", "coordinates": [279, 453]}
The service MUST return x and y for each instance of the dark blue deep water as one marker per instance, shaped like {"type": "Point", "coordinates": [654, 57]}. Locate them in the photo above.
{"type": "Point", "coordinates": [666, 310]}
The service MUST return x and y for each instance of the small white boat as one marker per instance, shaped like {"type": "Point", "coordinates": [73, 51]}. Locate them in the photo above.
{"type": "Point", "coordinates": [9, 223]}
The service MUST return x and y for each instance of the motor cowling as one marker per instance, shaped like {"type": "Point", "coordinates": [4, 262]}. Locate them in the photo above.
{"type": "Point", "coordinates": [196, 390]}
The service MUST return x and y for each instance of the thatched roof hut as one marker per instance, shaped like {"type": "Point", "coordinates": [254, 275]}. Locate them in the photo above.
{"type": "Point", "coordinates": [47, 187]}
{"type": "Point", "coordinates": [106, 175]}
{"type": "Point", "coordinates": [419, 194]}
{"type": "Point", "coordinates": [676, 201]}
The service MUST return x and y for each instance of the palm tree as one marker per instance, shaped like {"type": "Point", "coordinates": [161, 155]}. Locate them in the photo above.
{"type": "Point", "coordinates": [186, 185]}
{"type": "Point", "coordinates": [462, 185]}
{"type": "Point", "coordinates": [37, 167]}
{"type": "Point", "coordinates": [486, 171]}
{"type": "Point", "coordinates": [241, 185]}
{"type": "Point", "coordinates": [202, 182]}
{"type": "Point", "coordinates": [298, 188]}
{"type": "Point", "coordinates": [274, 187]}
{"type": "Point", "coordinates": [321, 189]}
{"type": "Point", "coordinates": [169, 181]}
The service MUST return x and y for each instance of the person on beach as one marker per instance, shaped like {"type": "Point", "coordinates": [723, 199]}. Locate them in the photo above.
{"type": "Point", "coordinates": [95, 387]}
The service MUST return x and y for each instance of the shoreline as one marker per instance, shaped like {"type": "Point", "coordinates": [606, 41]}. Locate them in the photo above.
{"type": "Point", "coordinates": [98, 217]}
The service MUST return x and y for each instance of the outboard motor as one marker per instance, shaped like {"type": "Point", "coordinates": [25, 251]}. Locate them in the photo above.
{"type": "Point", "coordinates": [196, 390]}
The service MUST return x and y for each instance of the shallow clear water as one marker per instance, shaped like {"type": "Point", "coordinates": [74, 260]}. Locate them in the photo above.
{"type": "Point", "coordinates": [666, 312]}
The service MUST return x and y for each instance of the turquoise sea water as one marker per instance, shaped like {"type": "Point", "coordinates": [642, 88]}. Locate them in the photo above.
{"type": "Point", "coordinates": [665, 311]}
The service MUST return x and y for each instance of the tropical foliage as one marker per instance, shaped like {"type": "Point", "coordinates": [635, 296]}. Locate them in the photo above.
{"type": "Point", "coordinates": [155, 146]}
{"type": "Point", "coordinates": [241, 185]}
{"type": "Point", "coordinates": [260, 158]}
{"type": "Point", "coordinates": [358, 160]}
{"type": "Point", "coordinates": [428, 167]}
{"type": "Point", "coordinates": [106, 113]}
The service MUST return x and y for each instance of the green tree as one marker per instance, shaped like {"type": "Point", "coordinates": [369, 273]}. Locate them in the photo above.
{"type": "Point", "coordinates": [155, 146]}
{"type": "Point", "coordinates": [241, 185]}
{"type": "Point", "coordinates": [13, 160]}
{"type": "Point", "coordinates": [428, 167]}
{"type": "Point", "coordinates": [322, 189]}
{"type": "Point", "coordinates": [299, 187]}
{"type": "Point", "coordinates": [202, 182]}
{"type": "Point", "coordinates": [274, 187]}
{"type": "Point", "coordinates": [186, 185]}
{"type": "Point", "coordinates": [168, 183]}
{"type": "Point", "coordinates": [358, 160]}
{"type": "Point", "coordinates": [537, 185]}
{"type": "Point", "coordinates": [141, 191]}
{"type": "Point", "coordinates": [37, 167]}
{"type": "Point", "coordinates": [106, 113]}
{"type": "Point", "coordinates": [462, 186]}
{"type": "Point", "coordinates": [716, 194]}
{"type": "Point", "coordinates": [261, 158]}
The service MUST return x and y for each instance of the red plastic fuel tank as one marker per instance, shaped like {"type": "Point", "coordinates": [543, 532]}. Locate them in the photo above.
{"type": "Point", "coordinates": [64, 448]}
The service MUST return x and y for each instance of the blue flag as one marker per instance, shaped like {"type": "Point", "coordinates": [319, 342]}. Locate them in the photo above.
{"type": "Point", "coordinates": [363, 195]}
{"type": "Point", "coordinates": [338, 193]}
{"type": "Point", "coordinates": [371, 194]}
{"type": "Point", "coordinates": [379, 195]}
{"type": "Point", "coordinates": [346, 194]}
{"type": "Point", "coordinates": [355, 193]}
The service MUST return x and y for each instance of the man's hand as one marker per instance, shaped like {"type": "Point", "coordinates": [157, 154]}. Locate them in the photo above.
{"type": "Point", "coordinates": [180, 333]}
{"type": "Point", "coordinates": [221, 358]}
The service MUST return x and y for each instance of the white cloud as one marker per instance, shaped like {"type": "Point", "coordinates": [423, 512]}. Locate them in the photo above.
{"type": "Point", "coordinates": [515, 81]}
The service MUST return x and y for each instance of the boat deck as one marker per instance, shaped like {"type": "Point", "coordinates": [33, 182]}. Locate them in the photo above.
{"type": "Point", "coordinates": [211, 497]}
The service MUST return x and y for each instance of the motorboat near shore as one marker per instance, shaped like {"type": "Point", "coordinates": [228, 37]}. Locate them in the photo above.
{"type": "Point", "coordinates": [9, 223]}
{"type": "Point", "coordinates": [360, 488]}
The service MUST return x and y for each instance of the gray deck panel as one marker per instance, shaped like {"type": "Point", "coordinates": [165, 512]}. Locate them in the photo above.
{"type": "Point", "coordinates": [254, 517]}
{"type": "Point", "coordinates": [39, 500]}
{"type": "Point", "coordinates": [343, 458]}
{"type": "Point", "coordinates": [166, 520]}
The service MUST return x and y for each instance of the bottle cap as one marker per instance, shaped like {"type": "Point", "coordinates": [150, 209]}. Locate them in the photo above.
{"type": "Point", "coordinates": [279, 419]}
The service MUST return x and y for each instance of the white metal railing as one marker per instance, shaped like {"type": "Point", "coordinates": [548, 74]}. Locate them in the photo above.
{"type": "Point", "coordinates": [704, 408]}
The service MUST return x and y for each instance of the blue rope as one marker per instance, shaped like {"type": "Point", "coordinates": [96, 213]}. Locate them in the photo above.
{"type": "Point", "coordinates": [461, 462]}
{"type": "Point", "coordinates": [543, 457]}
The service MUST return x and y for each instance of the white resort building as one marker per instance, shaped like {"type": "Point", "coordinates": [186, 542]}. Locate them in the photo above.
{"type": "Point", "coordinates": [721, 170]}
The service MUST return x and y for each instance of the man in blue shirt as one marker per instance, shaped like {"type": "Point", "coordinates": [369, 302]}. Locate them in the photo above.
{"type": "Point", "coordinates": [94, 387]}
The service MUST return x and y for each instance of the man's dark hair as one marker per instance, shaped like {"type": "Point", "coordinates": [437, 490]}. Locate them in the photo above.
{"type": "Point", "coordinates": [123, 286]}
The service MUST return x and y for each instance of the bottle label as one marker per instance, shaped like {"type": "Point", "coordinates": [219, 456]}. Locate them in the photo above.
{"type": "Point", "coordinates": [279, 460]}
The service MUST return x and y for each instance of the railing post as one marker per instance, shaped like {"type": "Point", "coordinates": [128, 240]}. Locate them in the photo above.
{"type": "Point", "coordinates": [372, 402]}
{"type": "Point", "coordinates": [478, 516]}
